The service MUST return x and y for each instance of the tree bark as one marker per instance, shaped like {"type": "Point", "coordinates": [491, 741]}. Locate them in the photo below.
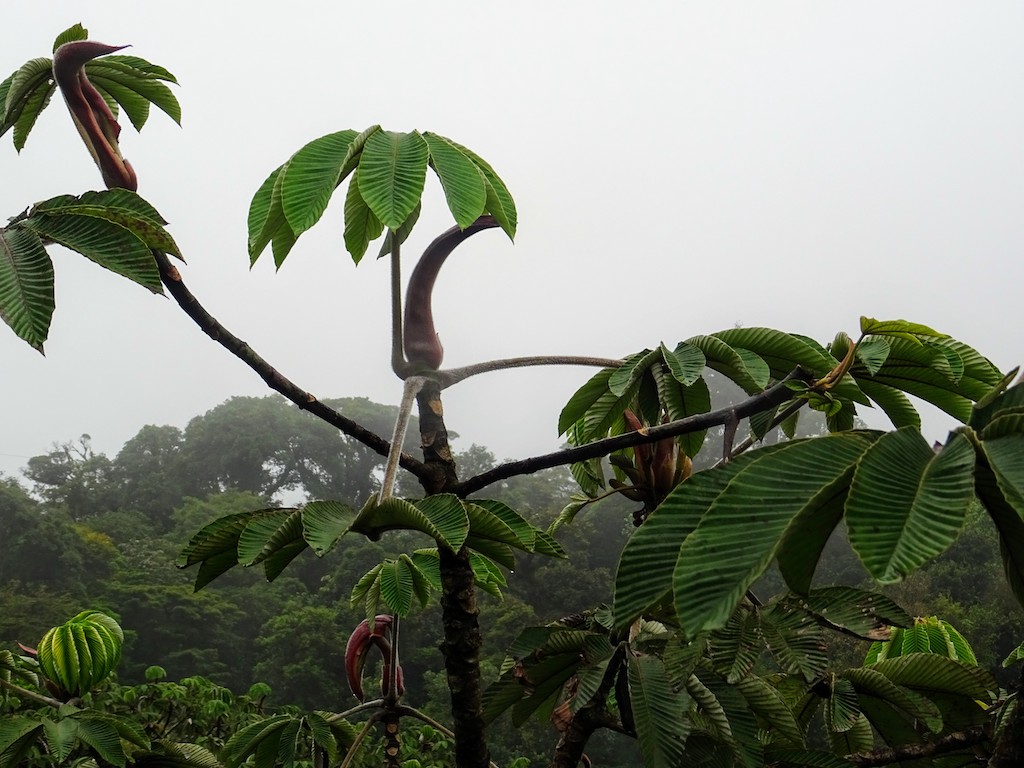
{"type": "Point", "coordinates": [459, 612]}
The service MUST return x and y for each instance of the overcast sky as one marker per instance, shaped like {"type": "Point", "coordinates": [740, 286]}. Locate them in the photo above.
{"type": "Point", "coordinates": [679, 168]}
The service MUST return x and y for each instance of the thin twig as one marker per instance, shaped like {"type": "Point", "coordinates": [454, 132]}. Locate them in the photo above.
{"type": "Point", "coordinates": [352, 750]}
{"type": "Point", "coordinates": [762, 401]}
{"type": "Point", "coordinates": [171, 278]}
{"type": "Point", "coordinates": [411, 388]}
{"type": "Point", "coordinates": [454, 375]}
{"type": "Point", "coordinates": [372, 704]}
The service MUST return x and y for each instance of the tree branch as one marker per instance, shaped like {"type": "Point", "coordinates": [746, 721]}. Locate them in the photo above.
{"type": "Point", "coordinates": [275, 380]}
{"type": "Point", "coordinates": [455, 375]}
{"type": "Point", "coordinates": [762, 401]}
{"type": "Point", "coordinates": [27, 694]}
{"type": "Point", "coordinates": [949, 743]}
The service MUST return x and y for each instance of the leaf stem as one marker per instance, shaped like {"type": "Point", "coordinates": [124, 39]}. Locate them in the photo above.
{"type": "Point", "coordinates": [27, 694]}
{"type": "Point", "coordinates": [447, 378]}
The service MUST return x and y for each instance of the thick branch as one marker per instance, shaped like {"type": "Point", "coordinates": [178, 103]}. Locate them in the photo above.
{"type": "Point", "coordinates": [274, 379]}
{"type": "Point", "coordinates": [455, 375]}
{"type": "Point", "coordinates": [762, 401]}
{"type": "Point", "coordinates": [949, 743]}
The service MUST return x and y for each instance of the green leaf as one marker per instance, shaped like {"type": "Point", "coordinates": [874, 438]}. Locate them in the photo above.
{"type": "Point", "coordinates": [871, 682]}
{"type": "Point", "coordinates": [770, 706]}
{"type": "Point", "coordinates": [633, 368]}
{"type": "Point", "coordinates": [137, 66]}
{"type": "Point", "coordinates": [104, 738]}
{"type": "Point", "coordinates": [795, 640]}
{"type": "Point", "coordinates": [246, 741]}
{"type": "Point", "coordinates": [361, 225]}
{"type": "Point", "coordinates": [893, 402]}
{"type": "Point", "coordinates": [499, 201]}
{"type": "Point", "coordinates": [929, 672]}
{"type": "Point", "coordinates": [686, 362]}
{"type": "Point", "coordinates": [324, 523]}
{"type": "Point", "coordinates": [272, 537]}
{"type": "Point", "coordinates": [681, 401]}
{"type": "Point", "coordinates": [583, 399]}
{"type": "Point", "coordinates": [32, 75]}
{"type": "Point", "coordinates": [907, 503]}
{"type": "Point", "coordinates": [872, 354]}
{"type": "Point", "coordinates": [103, 241]}
{"type": "Point", "coordinates": [720, 559]}
{"type": "Point", "coordinates": [396, 586]}
{"type": "Point", "coordinates": [60, 737]}
{"type": "Point", "coordinates": [869, 326]}
{"type": "Point", "coordinates": [214, 547]}
{"type": "Point", "coordinates": [442, 517]}
{"type": "Point", "coordinates": [134, 105]}
{"type": "Point", "coordinates": [70, 35]}
{"type": "Point", "coordinates": [735, 648]}
{"type": "Point", "coordinates": [463, 181]}
{"type": "Point", "coordinates": [392, 172]}
{"type": "Point", "coordinates": [140, 83]}
{"type": "Point", "coordinates": [866, 614]}
{"type": "Point", "coordinates": [266, 215]}
{"type": "Point", "coordinates": [658, 711]}
{"type": "Point", "coordinates": [118, 206]}
{"type": "Point", "coordinates": [727, 361]}
{"type": "Point", "coordinates": [18, 735]}
{"type": "Point", "coordinates": [402, 234]}
{"type": "Point", "coordinates": [32, 107]}
{"type": "Point", "coordinates": [312, 175]}
{"type": "Point", "coordinates": [645, 569]}
{"type": "Point", "coordinates": [26, 285]}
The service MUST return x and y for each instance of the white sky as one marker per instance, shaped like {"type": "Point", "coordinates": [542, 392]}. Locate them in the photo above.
{"type": "Point", "coordinates": [678, 167]}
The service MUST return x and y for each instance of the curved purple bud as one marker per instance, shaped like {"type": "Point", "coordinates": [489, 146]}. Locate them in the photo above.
{"type": "Point", "coordinates": [422, 345]}
{"type": "Point", "coordinates": [95, 122]}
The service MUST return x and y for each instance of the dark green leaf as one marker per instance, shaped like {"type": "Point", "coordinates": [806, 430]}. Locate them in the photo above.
{"type": "Point", "coordinates": [463, 182]}
{"type": "Point", "coordinates": [658, 711]}
{"type": "Point", "coordinates": [312, 175]}
{"type": "Point", "coordinates": [26, 285]}
{"type": "Point", "coordinates": [907, 503]}
{"type": "Point", "coordinates": [324, 523]}
{"type": "Point", "coordinates": [392, 171]}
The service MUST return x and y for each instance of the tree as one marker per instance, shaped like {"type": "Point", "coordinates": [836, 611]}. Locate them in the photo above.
{"type": "Point", "coordinates": [674, 660]}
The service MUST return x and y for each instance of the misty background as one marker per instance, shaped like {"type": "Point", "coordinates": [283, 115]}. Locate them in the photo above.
{"type": "Point", "coordinates": [679, 168]}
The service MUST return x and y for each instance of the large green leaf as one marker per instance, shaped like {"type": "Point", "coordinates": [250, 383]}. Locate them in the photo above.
{"type": "Point", "coordinates": [795, 640]}
{"type": "Point", "coordinates": [135, 106]}
{"type": "Point", "coordinates": [60, 737]}
{"type": "Point", "coordinates": [463, 182]}
{"type": "Point", "coordinates": [907, 503]}
{"type": "Point", "coordinates": [105, 242]}
{"type": "Point", "coordinates": [214, 548]}
{"type": "Point", "coordinates": [719, 561]}
{"type": "Point", "coordinates": [392, 172]}
{"type": "Point", "coordinates": [324, 523]}
{"type": "Point", "coordinates": [681, 400]}
{"type": "Point", "coordinates": [118, 206]}
{"type": "Point", "coordinates": [866, 614]}
{"type": "Point", "coordinates": [361, 225]}
{"type": "Point", "coordinates": [930, 672]}
{"type": "Point", "coordinates": [117, 70]}
{"type": "Point", "coordinates": [770, 706]}
{"type": "Point", "coordinates": [272, 537]}
{"type": "Point", "coordinates": [32, 107]}
{"type": "Point", "coordinates": [396, 586]}
{"type": "Point", "coordinates": [17, 736]}
{"type": "Point", "coordinates": [499, 201]}
{"type": "Point", "coordinates": [583, 399]}
{"type": "Point", "coordinates": [999, 482]}
{"type": "Point", "coordinates": [312, 175]}
{"type": "Point", "coordinates": [658, 712]}
{"type": "Point", "coordinates": [266, 219]}
{"type": "Point", "coordinates": [871, 682]}
{"type": "Point", "coordinates": [26, 80]}
{"type": "Point", "coordinates": [644, 574]}
{"type": "Point", "coordinates": [26, 285]}
{"type": "Point", "coordinates": [723, 358]}
{"type": "Point", "coordinates": [442, 517]}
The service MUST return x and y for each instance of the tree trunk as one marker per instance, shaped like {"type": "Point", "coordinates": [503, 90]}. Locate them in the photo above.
{"type": "Point", "coordinates": [462, 639]}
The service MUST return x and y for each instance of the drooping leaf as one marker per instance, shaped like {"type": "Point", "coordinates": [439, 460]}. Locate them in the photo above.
{"type": "Point", "coordinates": [273, 538]}
{"type": "Point", "coordinates": [443, 517]}
{"type": "Point", "coordinates": [686, 362]}
{"type": "Point", "coordinates": [873, 353]}
{"type": "Point", "coordinates": [499, 201]}
{"type": "Point", "coordinates": [266, 219]}
{"type": "Point", "coordinates": [69, 35]}
{"type": "Point", "coordinates": [463, 181]}
{"type": "Point", "coordinates": [26, 285]}
{"type": "Point", "coordinates": [865, 614]}
{"type": "Point", "coordinates": [644, 574]}
{"type": "Point", "coordinates": [583, 399]}
{"type": "Point", "coordinates": [929, 672]}
{"type": "Point", "coordinates": [795, 640]}
{"type": "Point", "coordinates": [31, 108]}
{"type": "Point", "coordinates": [681, 401]}
{"type": "Point", "coordinates": [871, 682]}
{"type": "Point", "coordinates": [720, 560]}
{"type": "Point", "coordinates": [392, 172]}
{"type": "Point", "coordinates": [103, 241]}
{"type": "Point", "coordinates": [897, 406]}
{"type": "Point", "coordinates": [143, 83]}
{"type": "Point", "coordinates": [658, 712]}
{"type": "Point", "coordinates": [136, 107]}
{"type": "Point", "coordinates": [396, 586]}
{"type": "Point", "coordinates": [770, 706]}
{"type": "Point", "coordinates": [312, 175]}
{"type": "Point", "coordinates": [907, 503]}
{"type": "Point", "coordinates": [324, 523]}
{"type": "Point", "coordinates": [361, 225]}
